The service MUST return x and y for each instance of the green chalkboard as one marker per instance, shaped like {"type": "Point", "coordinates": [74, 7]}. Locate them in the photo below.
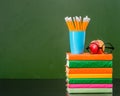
{"type": "Point", "coordinates": [34, 37]}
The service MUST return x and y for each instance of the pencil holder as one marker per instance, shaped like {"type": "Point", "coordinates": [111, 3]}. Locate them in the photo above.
{"type": "Point", "coordinates": [77, 41]}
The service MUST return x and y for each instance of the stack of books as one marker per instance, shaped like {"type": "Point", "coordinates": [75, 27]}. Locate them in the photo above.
{"type": "Point", "coordinates": [89, 73]}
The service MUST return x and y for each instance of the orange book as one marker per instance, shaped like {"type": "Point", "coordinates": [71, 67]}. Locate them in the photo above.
{"type": "Point", "coordinates": [88, 70]}
{"type": "Point", "coordinates": [88, 56]}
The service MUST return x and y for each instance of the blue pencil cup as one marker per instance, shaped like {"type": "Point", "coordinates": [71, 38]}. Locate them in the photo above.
{"type": "Point", "coordinates": [77, 41]}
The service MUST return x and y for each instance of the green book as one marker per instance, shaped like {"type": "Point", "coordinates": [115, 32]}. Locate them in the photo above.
{"type": "Point", "coordinates": [89, 80]}
{"type": "Point", "coordinates": [89, 64]}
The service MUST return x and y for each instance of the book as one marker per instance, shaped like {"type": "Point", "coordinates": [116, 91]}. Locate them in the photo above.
{"type": "Point", "coordinates": [89, 80]}
{"type": "Point", "coordinates": [88, 70]}
{"type": "Point", "coordinates": [89, 90]}
{"type": "Point", "coordinates": [89, 75]}
{"type": "Point", "coordinates": [88, 56]}
{"type": "Point", "coordinates": [89, 85]}
{"type": "Point", "coordinates": [89, 63]}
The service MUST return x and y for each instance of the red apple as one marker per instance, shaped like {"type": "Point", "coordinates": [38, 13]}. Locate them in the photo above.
{"type": "Point", "coordinates": [93, 48]}
{"type": "Point", "coordinates": [96, 47]}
